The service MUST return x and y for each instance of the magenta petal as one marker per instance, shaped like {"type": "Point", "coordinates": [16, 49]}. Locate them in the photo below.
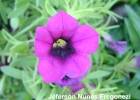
{"type": "Point", "coordinates": [41, 48]}
{"type": "Point", "coordinates": [78, 87]}
{"type": "Point", "coordinates": [84, 32]}
{"type": "Point", "coordinates": [50, 70]}
{"type": "Point", "coordinates": [89, 45]}
{"type": "Point", "coordinates": [118, 46]}
{"type": "Point", "coordinates": [77, 65]}
{"type": "Point", "coordinates": [66, 81]}
{"type": "Point", "coordinates": [43, 35]}
{"type": "Point", "coordinates": [61, 24]}
{"type": "Point", "coordinates": [85, 39]}
{"type": "Point", "coordinates": [137, 60]}
{"type": "Point", "coordinates": [55, 25]}
{"type": "Point", "coordinates": [69, 25]}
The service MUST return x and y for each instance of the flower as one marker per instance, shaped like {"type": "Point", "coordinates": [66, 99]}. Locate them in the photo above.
{"type": "Point", "coordinates": [63, 46]}
{"type": "Point", "coordinates": [67, 81]}
{"type": "Point", "coordinates": [135, 62]}
{"type": "Point", "coordinates": [117, 46]}
{"type": "Point", "coordinates": [79, 87]}
{"type": "Point", "coordinates": [137, 59]}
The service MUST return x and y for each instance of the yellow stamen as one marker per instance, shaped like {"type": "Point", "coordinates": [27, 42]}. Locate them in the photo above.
{"type": "Point", "coordinates": [60, 43]}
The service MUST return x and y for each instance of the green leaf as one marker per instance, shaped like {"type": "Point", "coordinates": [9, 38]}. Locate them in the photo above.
{"type": "Point", "coordinates": [13, 72]}
{"type": "Point", "coordinates": [2, 84]}
{"type": "Point", "coordinates": [42, 93]}
{"type": "Point", "coordinates": [62, 3]}
{"type": "Point", "coordinates": [18, 11]}
{"type": "Point", "coordinates": [81, 13]}
{"type": "Point", "coordinates": [38, 81]}
{"type": "Point", "coordinates": [27, 61]}
{"type": "Point", "coordinates": [136, 79]}
{"type": "Point", "coordinates": [136, 94]}
{"type": "Point", "coordinates": [98, 74]}
{"type": "Point", "coordinates": [74, 6]}
{"type": "Point", "coordinates": [134, 38]}
{"type": "Point", "coordinates": [27, 81]}
{"type": "Point", "coordinates": [56, 3]}
{"type": "Point", "coordinates": [134, 18]}
{"type": "Point", "coordinates": [33, 24]}
{"type": "Point", "coordinates": [117, 33]}
{"type": "Point", "coordinates": [53, 91]}
{"type": "Point", "coordinates": [14, 23]}
{"type": "Point", "coordinates": [20, 48]}
{"type": "Point", "coordinates": [21, 3]}
{"type": "Point", "coordinates": [132, 2]}
{"type": "Point", "coordinates": [2, 12]}
{"type": "Point", "coordinates": [50, 9]}
{"type": "Point", "coordinates": [41, 2]}
{"type": "Point", "coordinates": [9, 37]}
{"type": "Point", "coordinates": [2, 40]}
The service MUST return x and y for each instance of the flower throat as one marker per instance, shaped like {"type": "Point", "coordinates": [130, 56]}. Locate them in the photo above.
{"type": "Point", "coordinates": [60, 43]}
{"type": "Point", "coordinates": [62, 48]}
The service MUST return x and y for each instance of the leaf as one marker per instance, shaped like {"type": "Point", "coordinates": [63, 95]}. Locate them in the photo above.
{"type": "Point", "coordinates": [13, 72]}
{"type": "Point", "coordinates": [38, 81]}
{"type": "Point", "coordinates": [20, 48]}
{"type": "Point", "coordinates": [132, 87]}
{"type": "Point", "coordinates": [27, 81]}
{"type": "Point", "coordinates": [74, 6]}
{"type": "Point", "coordinates": [136, 94]}
{"type": "Point", "coordinates": [18, 11]}
{"type": "Point", "coordinates": [33, 24]}
{"type": "Point", "coordinates": [56, 3]}
{"type": "Point", "coordinates": [21, 3]}
{"type": "Point", "coordinates": [2, 40]}
{"type": "Point", "coordinates": [132, 2]}
{"type": "Point", "coordinates": [2, 84]}
{"type": "Point", "coordinates": [134, 18]}
{"type": "Point", "coordinates": [82, 13]}
{"type": "Point", "coordinates": [27, 61]}
{"type": "Point", "coordinates": [2, 12]}
{"type": "Point", "coordinates": [136, 79]}
{"type": "Point", "coordinates": [42, 93]}
{"type": "Point", "coordinates": [8, 37]}
{"type": "Point", "coordinates": [62, 3]}
{"type": "Point", "coordinates": [41, 2]}
{"type": "Point", "coordinates": [14, 23]}
{"type": "Point", "coordinates": [52, 91]}
{"type": "Point", "coordinates": [98, 74]}
{"type": "Point", "coordinates": [117, 33]}
{"type": "Point", "coordinates": [50, 9]}
{"type": "Point", "coordinates": [134, 38]}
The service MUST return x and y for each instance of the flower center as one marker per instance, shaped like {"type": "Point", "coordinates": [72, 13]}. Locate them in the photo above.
{"type": "Point", "coordinates": [60, 43]}
{"type": "Point", "coordinates": [62, 48]}
{"type": "Point", "coordinates": [65, 78]}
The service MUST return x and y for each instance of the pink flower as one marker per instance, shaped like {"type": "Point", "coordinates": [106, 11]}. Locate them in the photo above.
{"type": "Point", "coordinates": [78, 87]}
{"type": "Point", "coordinates": [137, 59]}
{"type": "Point", "coordinates": [67, 81]}
{"type": "Point", "coordinates": [117, 46]}
{"type": "Point", "coordinates": [63, 46]}
{"type": "Point", "coordinates": [135, 62]}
